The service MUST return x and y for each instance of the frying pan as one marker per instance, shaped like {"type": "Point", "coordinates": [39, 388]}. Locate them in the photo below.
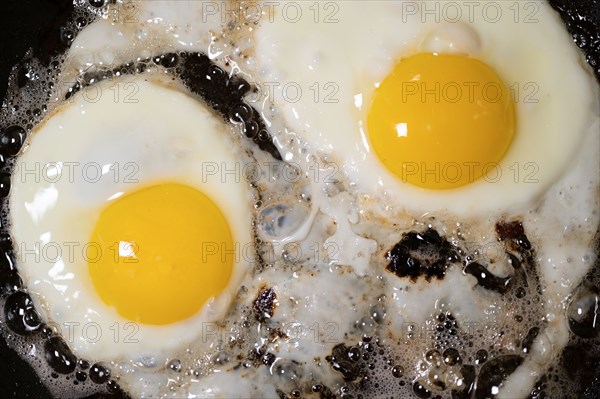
{"type": "Point", "coordinates": [35, 24]}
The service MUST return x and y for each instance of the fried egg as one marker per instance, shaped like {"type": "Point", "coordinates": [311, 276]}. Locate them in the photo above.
{"type": "Point", "coordinates": [126, 244]}
{"type": "Point", "coordinates": [432, 114]}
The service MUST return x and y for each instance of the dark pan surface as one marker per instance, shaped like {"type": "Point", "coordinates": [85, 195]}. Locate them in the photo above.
{"type": "Point", "coordinates": [36, 24]}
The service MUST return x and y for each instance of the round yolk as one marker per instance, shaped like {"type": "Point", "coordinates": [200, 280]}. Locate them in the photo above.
{"type": "Point", "coordinates": [162, 252]}
{"type": "Point", "coordinates": [441, 121]}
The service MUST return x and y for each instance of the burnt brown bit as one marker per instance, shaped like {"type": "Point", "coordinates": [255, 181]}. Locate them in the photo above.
{"type": "Point", "coordinates": [525, 274]}
{"type": "Point", "coordinates": [261, 356]}
{"type": "Point", "coordinates": [264, 304]}
{"type": "Point", "coordinates": [421, 254]}
{"type": "Point", "coordinates": [514, 232]}
{"type": "Point", "coordinates": [486, 279]}
{"type": "Point", "coordinates": [268, 359]}
{"type": "Point", "coordinates": [342, 360]}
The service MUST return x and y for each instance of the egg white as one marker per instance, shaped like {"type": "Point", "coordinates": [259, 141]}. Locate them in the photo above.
{"type": "Point", "coordinates": [159, 134]}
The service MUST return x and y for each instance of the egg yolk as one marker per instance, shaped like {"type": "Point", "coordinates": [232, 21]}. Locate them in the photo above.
{"type": "Point", "coordinates": [160, 253]}
{"type": "Point", "coordinates": [441, 121]}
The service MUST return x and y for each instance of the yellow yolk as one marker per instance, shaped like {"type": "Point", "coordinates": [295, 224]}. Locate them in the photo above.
{"type": "Point", "coordinates": [441, 121]}
{"type": "Point", "coordinates": [163, 251]}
